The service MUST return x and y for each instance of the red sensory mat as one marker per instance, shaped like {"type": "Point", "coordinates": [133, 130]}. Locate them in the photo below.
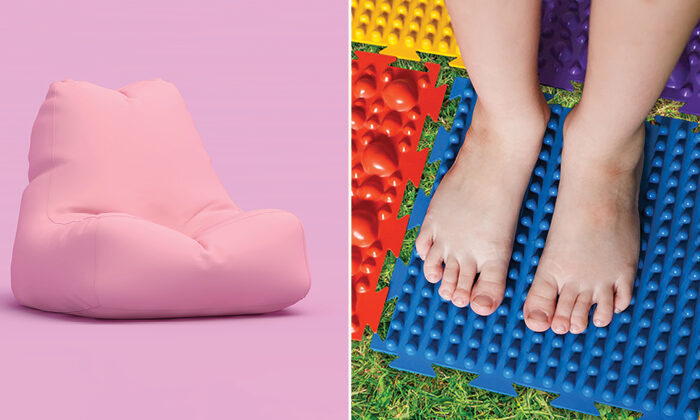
{"type": "Point", "coordinates": [389, 106]}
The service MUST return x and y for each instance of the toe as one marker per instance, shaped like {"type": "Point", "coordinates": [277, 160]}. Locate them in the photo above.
{"type": "Point", "coordinates": [432, 267]}
{"type": "Point", "coordinates": [487, 294]}
{"type": "Point", "coordinates": [623, 295]}
{"type": "Point", "coordinates": [449, 279]}
{"type": "Point", "coordinates": [579, 316]}
{"type": "Point", "coordinates": [423, 242]}
{"type": "Point", "coordinates": [540, 302]}
{"type": "Point", "coordinates": [604, 308]}
{"type": "Point", "coordinates": [562, 313]}
{"type": "Point", "coordinates": [467, 272]}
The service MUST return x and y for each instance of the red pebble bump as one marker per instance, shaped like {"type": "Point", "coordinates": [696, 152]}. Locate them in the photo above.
{"type": "Point", "coordinates": [364, 87]}
{"type": "Point", "coordinates": [391, 124]}
{"type": "Point", "coordinates": [364, 228]}
{"type": "Point", "coordinates": [380, 158]}
{"type": "Point", "coordinates": [358, 117]}
{"type": "Point", "coordinates": [400, 94]}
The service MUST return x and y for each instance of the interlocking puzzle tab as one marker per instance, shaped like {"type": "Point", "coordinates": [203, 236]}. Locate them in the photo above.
{"type": "Point", "coordinates": [407, 26]}
{"type": "Point", "coordinates": [647, 359]}
{"type": "Point", "coordinates": [389, 106]}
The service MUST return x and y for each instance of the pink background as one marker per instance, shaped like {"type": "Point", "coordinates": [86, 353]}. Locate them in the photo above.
{"type": "Point", "coordinates": [266, 83]}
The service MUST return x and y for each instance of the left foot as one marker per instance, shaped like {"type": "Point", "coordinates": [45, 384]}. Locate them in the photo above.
{"type": "Point", "coordinates": [592, 248]}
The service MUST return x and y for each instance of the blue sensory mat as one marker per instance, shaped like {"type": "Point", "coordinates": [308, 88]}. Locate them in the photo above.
{"type": "Point", "coordinates": [647, 359]}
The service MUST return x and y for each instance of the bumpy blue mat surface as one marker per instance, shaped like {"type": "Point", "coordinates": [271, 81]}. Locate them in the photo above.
{"type": "Point", "coordinates": [647, 359]}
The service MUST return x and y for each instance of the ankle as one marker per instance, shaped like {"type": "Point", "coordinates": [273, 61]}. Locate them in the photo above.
{"type": "Point", "coordinates": [512, 130]}
{"type": "Point", "coordinates": [517, 115]}
{"type": "Point", "coordinates": [608, 148]}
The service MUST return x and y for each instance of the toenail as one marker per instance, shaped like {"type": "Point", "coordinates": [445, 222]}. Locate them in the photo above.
{"type": "Point", "coordinates": [537, 316]}
{"type": "Point", "coordinates": [559, 329]}
{"type": "Point", "coordinates": [460, 301]}
{"type": "Point", "coordinates": [483, 300]}
{"type": "Point", "coordinates": [443, 294]}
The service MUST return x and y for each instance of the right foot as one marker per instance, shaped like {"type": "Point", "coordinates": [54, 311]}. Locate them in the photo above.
{"type": "Point", "coordinates": [471, 220]}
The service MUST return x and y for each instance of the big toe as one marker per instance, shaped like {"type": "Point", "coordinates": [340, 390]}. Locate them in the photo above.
{"type": "Point", "coordinates": [487, 294]}
{"type": "Point", "coordinates": [540, 302]}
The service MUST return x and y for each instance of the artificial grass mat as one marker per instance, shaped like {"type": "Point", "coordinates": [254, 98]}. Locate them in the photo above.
{"type": "Point", "coordinates": [380, 392]}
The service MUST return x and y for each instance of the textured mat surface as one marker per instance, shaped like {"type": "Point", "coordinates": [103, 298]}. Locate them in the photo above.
{"type": "Point", "coordinates": [647, 359]}
{"type": "Point", "coordinates": [564, 45]}
{"type": "Point", "coordinates": [404, 27]}
{"type": "Point", "coordinates": [407, 26]}
{"type": "Point", "coordinates": [389, 106]}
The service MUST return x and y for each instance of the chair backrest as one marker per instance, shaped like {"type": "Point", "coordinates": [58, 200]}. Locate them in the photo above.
{"type": "Point", "coordinates": [134, 150]}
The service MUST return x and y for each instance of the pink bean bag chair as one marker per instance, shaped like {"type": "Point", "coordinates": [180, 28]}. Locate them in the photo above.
{"type": "Point", "coordinates": [124, 216]}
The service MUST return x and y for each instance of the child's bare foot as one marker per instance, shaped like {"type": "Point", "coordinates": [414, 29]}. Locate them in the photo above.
{"type": "Point", "coordinates": [472, 217]}
{"type": "Point", "coordinates": [592, 248]}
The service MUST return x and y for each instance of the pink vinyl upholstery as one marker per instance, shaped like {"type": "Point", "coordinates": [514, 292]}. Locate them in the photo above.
{"type": "Point", "coordinates": [124, 216]}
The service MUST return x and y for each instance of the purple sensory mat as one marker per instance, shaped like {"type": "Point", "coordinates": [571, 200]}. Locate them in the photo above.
{"type": "Point", "coordinates": [564, 43]}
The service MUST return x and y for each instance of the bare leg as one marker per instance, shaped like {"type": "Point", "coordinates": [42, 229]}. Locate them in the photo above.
{"type": "Point", "coordinates": [471, 221]}
{"type": "Point", "coordinates": [593, 244]}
